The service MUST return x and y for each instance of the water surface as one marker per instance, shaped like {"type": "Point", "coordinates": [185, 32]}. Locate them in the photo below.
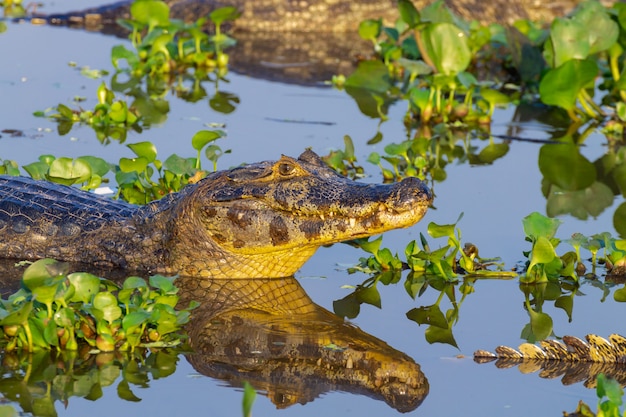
{"type": "Point", "coordinates": [35, 75]}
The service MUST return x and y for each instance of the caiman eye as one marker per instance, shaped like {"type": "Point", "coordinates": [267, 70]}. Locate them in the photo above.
{"type": "Point", "coordinates": [286, 169]}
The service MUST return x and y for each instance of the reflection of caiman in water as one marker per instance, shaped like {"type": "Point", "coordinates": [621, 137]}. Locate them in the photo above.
{"type": "Point", "coordinates": [573, 359]}
{"type": "Point", "coordinates": [264, 331]}
{"type": "Point", "coordinates": [259, 220]}
{"type": "Point", "coordinates": [268, 332]}
{"type": "Point", "coordinates": [306, 41]}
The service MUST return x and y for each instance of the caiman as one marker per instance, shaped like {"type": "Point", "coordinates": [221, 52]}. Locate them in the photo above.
{"type": "Point", "coordinates": [268, 332]}
{"type": "Point", "coordinates": [260, 220]}
{"type": "Point", "coordinates": [572, 358]}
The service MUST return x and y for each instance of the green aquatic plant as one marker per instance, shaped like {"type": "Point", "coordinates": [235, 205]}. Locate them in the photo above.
{"type": "Point", "coordinates": [36, 382]}
{"type": "Point", "coordinates": [445, 262]}
{"type": "Point", "coordinates": [544, 264]}
{"type": "Point", "coordinates": [55, 309]}
{"type": "Point", "coordinates": [139, 180]}
{"type": "Point", "coordinates": [166, 46]}
{"type": "Point", "coordinates": [610, 400]}
{"type": "Point", "coordinates": [110, 118]}
{"type": "Point", "coordinates": [435, 61]}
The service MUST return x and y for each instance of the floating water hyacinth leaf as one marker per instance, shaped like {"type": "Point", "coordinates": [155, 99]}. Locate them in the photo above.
{"type": "Point", "coordinates": [223, 14]}
{"type": "Point", "coordinates": [537, 225]}
{"type": "Point", "coordinates": [151, 13]}
{"type": "Point", "coordinates": [106, 304]}
{"type": "Point", "coordinates": [561, 86]}
{"type": "Point", "coordinates": [408, 13]}
{"type": "Point", "coordinates": [69, 171]}
{"type": "Point", "coordinates": [446, 45]}
{"type": "Point", "coordinates": [203, 137]}
{"type": "Point", "coordinates": [146, 150]}
{"type": "Point", "coordinates": [138, 164]}
{"type": "Point", "coordinates": [86, 286]}
{"type": "Point", "coordinates": [370, 29]}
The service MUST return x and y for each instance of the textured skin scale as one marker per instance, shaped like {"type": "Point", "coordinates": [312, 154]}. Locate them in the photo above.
{"type": "Point", "coordinates": [570, 349]}
{"type": "Point", "coordinates": [572, 359]}
{"type": "Point", "coordinates": [260, 220]}
{"type": "Point", "coordinates": [268, 332]}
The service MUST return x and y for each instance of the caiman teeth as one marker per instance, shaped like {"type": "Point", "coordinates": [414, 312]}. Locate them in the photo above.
{"type": "Point", "coordinates": [352, 221]}
{"type": "Point", "coordinates": [322, 217]}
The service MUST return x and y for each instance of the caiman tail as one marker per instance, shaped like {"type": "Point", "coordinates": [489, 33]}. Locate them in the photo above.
{"type": "Point", "coordinates": [268, 332]}
{"type": "Point", "coordinates": [572, 359]}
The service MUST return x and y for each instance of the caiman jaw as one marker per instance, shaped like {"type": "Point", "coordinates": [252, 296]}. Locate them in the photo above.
{"type": "Point", "coordinates": [267, 220]}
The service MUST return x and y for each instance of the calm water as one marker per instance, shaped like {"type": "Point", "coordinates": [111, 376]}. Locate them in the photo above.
{"type": "Point", "coordinates": [34, 75]}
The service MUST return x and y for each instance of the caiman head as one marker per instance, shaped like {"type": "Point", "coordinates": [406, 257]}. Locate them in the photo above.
{"type": "Point", "coordinates": [266, 219]}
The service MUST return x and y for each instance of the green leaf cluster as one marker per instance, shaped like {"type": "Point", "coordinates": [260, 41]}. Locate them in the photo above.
{"type": "Point", "coordinates": [36, 381]}
{"type": "Point", "coordinates": [110, 118]}
{"type": "Point", "coordinates": [445, 262]}
{"type": "Point", "coordinates": [55, 309]}
{"type": "Point", "coordinates": [163, 45]}
{"type": "Point", "coordinates": [544, 264]}
{"type": "Point", "coordinates": [431, 59]}
{"type": "Point", "coordinates": [135, 177]}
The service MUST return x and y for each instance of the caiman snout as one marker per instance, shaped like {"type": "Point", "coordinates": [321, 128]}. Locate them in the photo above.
{"type": "Point", "coordinates": [411, 191]}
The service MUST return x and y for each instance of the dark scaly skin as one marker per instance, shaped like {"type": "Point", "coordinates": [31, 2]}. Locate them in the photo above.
{"type": "Point", "coordinates": [318, 15]}
{"type": "Point", "coordinates": [268, 332]}
{"type": "Point", "coordinates": [260, 220]}
{"type": "Point", "coordinates": [572, 359]}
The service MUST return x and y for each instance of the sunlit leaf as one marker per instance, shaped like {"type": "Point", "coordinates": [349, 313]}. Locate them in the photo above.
{"type": "Point", "coordinates": [444, 230]}
{"type": "Point", "coordinates": [560, 86]}
{"type": "Point", "coordinates": [138, 164]}
{"type": "Point", "coordinates": [537, 225]}
{"type": "Point", "coordinates": [86, 286]}
{"type": "Point", "coordinates": [146, 150]}
{"type": "Point", "coordinates": [201, 138]}
{"type": "Point", "coordinates": [408, 13]}
{"type": "Point", "coordinates": [107, 304]}
{"type": "Point", "coordinates": [151, 13]}
{"type": "Point", "coordinates": [568, 40]}
{"type": "Point", "coordinates": [69, 171]}
{"type": "Point", "coordinates": [223, 14]}
{"type": "Point", "coordinates": [446, 44]}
